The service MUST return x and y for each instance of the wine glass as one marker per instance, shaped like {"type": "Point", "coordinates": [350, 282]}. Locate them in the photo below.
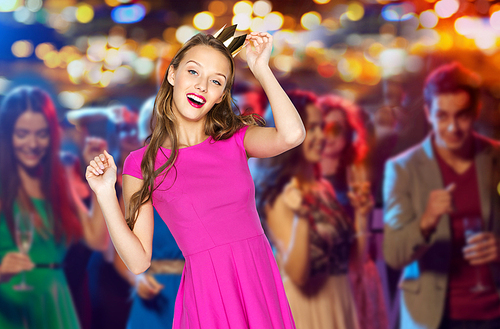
{"type": "Point", "coordinates": [23, 225]}
{"type": "Point", "coordinates": [473, 226]}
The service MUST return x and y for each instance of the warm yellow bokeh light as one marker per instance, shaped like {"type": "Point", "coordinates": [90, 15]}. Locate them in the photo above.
{"type": "Point", "coordinates": [310, 20]}
{"type": "Point", "coordinates": [112, 3]}
{"type": "Point", "coordinates": [273, 21]}
{"type": "Point", "coordinates": [106, 78]}
{"type": "Point", "coordinates": [52, 60]}
{"type": "Point", "coordinates": [321, 2]}
{"type": "Point", "coordinates": [84, 13]}
{"type": "Point", "coordinates": [262, 8]}
{"type": "Point", "coordinates": [257, 24]}
{"type": "Point", "coordinates": [243, 7]}
{"type": "Point", "coordinates": [22, 48]}
{"type": "Point", "coordinates": [445, 41]}
{"type": "Point", "coordinates": [289, 22]}
{"type": "Point", "coordinates": [218, 8]}
{"type": "Point", "coordinates": [283, 63]}
{"type": "Point", "coordinates": [203, 21]}
{"type": "Point", "coordinates": [149, 51]}
{"type": "Point", "coordinates": [355, 11]}
{"type": "Point", "coordinates": [43, 49]}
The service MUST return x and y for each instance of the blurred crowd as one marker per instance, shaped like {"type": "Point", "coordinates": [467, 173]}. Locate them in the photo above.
{"type": "Point", "coordinates": [374, 202]}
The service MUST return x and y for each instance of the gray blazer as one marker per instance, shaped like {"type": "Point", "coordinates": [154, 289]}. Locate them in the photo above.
{"type": "Point", "coordinates": [409, 179]}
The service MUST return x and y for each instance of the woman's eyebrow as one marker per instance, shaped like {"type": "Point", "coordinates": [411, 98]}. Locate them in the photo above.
{"type": "Point", "coordinates": [195, 62]}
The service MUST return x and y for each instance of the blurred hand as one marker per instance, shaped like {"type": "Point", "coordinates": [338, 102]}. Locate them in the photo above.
{"type": "Point", "coordinates": [14, 263]}
{"type": "Point", "coordinates": [258, 49]}
{"type": "Point", "coordinates": [147, 287]}
{"type": "Point", "coordinates": [439, 203]}
{"type": "Point", "coordinates": [482, 248]}
{"type": "Point", "coordinates": [93, 147]}
{"type": "Point", "coordinates": [359, 193]}
{"type": "Point", "coordinates": [101, 173]}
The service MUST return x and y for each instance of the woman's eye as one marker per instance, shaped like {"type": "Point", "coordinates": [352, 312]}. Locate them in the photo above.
{"type": "Point", "coordinates": [192, 72]}
{"type": "Point", "coordinates": [217, 82]}
{"type": "Point", "coordinates": [43, 134]}
{"type": "Point", "coordinates": [20, 134]}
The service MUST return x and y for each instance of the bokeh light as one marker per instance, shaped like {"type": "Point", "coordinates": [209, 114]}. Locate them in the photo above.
{"type": "Point", "coordinates": [128, 14]}
{"type": "Point", "coordinates": [321, 2]}
{"type": "Point", "coordinates": [243, 7]}
{"type": "Point", "coordinates": [184, 33]}
{"type": "Point", "coordinates": [244, 21]}
{"type": "Point", "coordinates": [52, 59]}
{"type": "Point", "coordinates": [143, 66]}
{"type": "Point", "coordinates": [22, 48]}
{"type": "Point", "coordinates": [9, 5]}
{"type": "Point", "coordinates": [273, 21]}
{"type": "Point", "coordinates": [310, 20]}
{"type": "Point", "coordinates": [71, 100]}
{"type": "Point", "coordinates": [485, 40]}
{"type": "Point", "coordinates": [495, 20]}
{"type": "Point", "coordinates": [84, 13]}
{"type": "Point", "coordinates": [428, 19]}
{"type": "Point", "coordinates": [262, 8]}
{"type": "Point", "coordinates": [203, 21]}
{"type": "Point", "coordinates": [446, 8]}
{"type": "Point", "coordinates": [355, 11]}
{"type": "Point", "coordinates": [217, 8]}
{"type": "Point", "coordinates": [76, 68]}
{"type": "Point", "coordinates": [284, 63]}
{"type": "Point", "coordinates": [465, 25]}
{"type": "Point", "coordinates": [43, 49]}
{"type": "Point", "coordinates": [33, 5]}
{"type": "Point", "coordinates": [25, 16]}
{"type": "Point", "coordinates": [112, 3]}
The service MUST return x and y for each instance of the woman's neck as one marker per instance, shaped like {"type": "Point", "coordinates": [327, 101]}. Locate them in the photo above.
{"type": "Point", "coordinates": [330, 166]}
{"type": "Point", "coordinates": [31, 182]}
{"type": "Point", "coordinates": [307, 176]}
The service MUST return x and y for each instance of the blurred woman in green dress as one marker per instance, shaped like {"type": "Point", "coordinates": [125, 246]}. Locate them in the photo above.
{"type": "Point", "coordinates": [33, 184]}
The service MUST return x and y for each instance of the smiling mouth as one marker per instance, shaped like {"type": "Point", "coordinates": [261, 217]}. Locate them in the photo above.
{"type": "Point", "coordinates": [195, 100]}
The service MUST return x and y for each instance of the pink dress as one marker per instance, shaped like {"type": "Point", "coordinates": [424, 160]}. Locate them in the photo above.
{"type": "Point", "coordinates": [230, 279]}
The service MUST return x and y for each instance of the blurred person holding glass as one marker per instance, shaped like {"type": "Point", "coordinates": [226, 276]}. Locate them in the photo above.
{"type": "Point", "coordinates": [343, 164]}
{"type": "Point", "coordinates": [313, 235]}
{"type": "Point", "coordinates": [442, 212]}
{"type": "Point", "coordinates": [40, 216]}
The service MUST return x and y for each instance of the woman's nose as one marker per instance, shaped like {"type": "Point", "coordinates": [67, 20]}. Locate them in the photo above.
{"type": "Point", "coordinates": [201, 87]}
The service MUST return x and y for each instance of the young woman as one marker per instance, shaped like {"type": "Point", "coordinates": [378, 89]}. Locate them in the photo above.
{"type": "Point", "coordinates": [194, 171]}
{"type": "Point", "coordinates": [343, 165]}
{"type": "Point", "coordinates": [312, 233]}
{"type": "Point", "coordinates": [33, 184]}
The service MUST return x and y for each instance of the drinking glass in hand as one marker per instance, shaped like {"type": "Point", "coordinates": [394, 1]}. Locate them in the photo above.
{"type": "Point", "coordinates": [473, 226]}
{"type": "Point", "coordinates": [24, 237]}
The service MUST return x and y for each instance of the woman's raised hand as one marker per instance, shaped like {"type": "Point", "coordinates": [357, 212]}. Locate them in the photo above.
{"type": "Point", "coordinates": [101, 172]}
{"type": "Point", "coordinates": [258, 50]}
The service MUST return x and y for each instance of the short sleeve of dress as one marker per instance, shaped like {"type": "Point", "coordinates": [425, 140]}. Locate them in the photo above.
{"type": "Point", "coordinates": [132, 165]}
{"type": "Point", "coordinates": [240, 136]}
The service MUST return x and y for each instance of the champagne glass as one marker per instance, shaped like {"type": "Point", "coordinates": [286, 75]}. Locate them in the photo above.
{"type": "Point", "coordinates": [473, 226]}
{"type": "Point", "coordinates": [23, 223]}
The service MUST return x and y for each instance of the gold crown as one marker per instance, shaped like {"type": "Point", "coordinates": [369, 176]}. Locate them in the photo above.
{"type": "Point", "coordinates": [234, 44]}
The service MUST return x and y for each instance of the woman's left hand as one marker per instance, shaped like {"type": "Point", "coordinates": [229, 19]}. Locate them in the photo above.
{"type": "Point", "coordinates": [258, 50]}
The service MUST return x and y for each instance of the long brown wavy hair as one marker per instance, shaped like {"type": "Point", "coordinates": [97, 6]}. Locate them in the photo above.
{"type": "Point", "coordinates": [63, 221]}
{"type": "Point", "coordinates": [221, 123]}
